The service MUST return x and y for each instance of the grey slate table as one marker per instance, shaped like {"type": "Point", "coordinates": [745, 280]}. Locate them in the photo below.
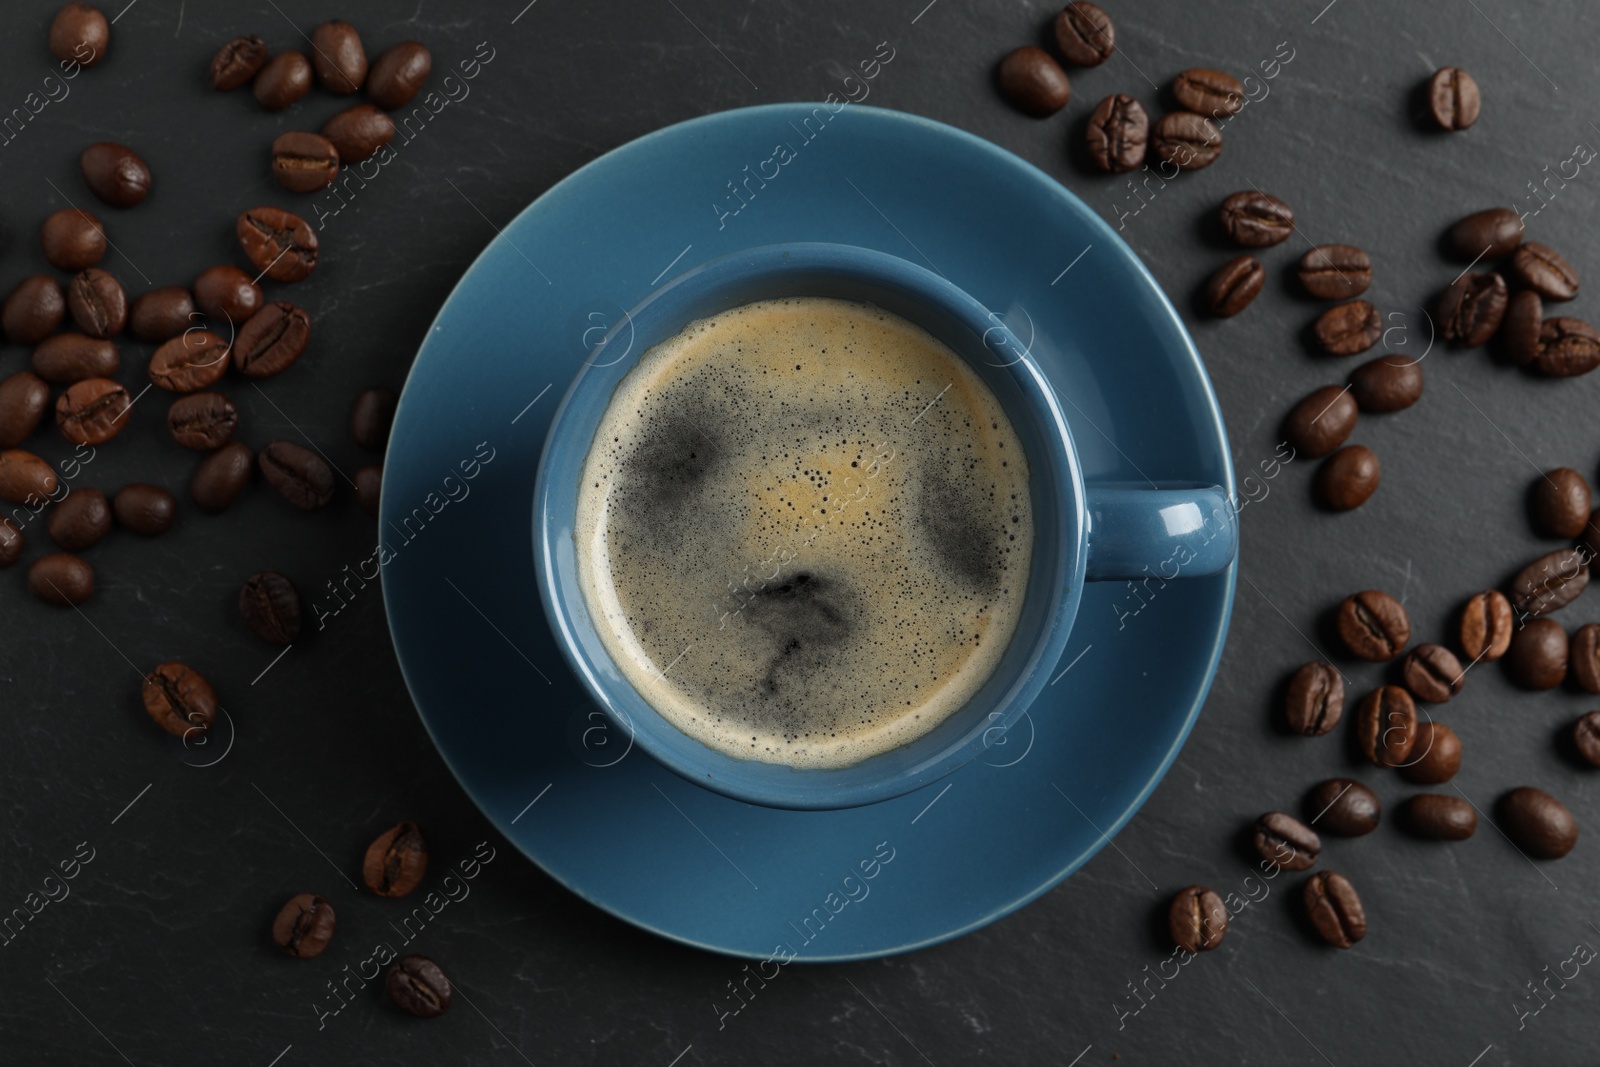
{"type": "Point", "coordinates": [158, 955]}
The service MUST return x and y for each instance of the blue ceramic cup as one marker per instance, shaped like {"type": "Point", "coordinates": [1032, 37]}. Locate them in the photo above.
{"type": "Point", "coordinates": [1082, 532]}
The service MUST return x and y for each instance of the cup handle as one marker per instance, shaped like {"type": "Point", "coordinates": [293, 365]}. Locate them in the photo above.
{"type": "Point", "coordinates": [1162, 532]}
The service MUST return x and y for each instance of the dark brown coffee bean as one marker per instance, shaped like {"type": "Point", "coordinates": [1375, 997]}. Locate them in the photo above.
{"type": "Point", "coordinates": [93, 411]}
{"type": "Point", "coordinates": [1187, 141]}
{"type": "Point", "coordinates": [202, 421]}
{"type": "Point", "coordinates": [396, 861]}
{"type": "Point", "coordinates": [1208, 92]}
{"type": "Point", "coordinates": [11, 542]}
{"type": "Point", "coordinates": [1561, 503]}
{"type": "Point", "coordinates": [1543, 270]}
{"type": "Point", "coordinates": [224, 292]}
{"type": "Point", "coordinates": [271, 607]}
{"type": "Point", "coordinates": [278, 243]}
{"type": "Point", "coordinates": [147, 510]}
{"type": "Point", "coordinates": [304, 162]}
{"type": "Point", "coordinates": [272, 340]}
{"type": "Point", "coordinates": [1490, 234]}
{"type": "Point", "coordinates": [237, 62]}
{"type": "Point", "coordinates": [1321, 422]}
{"type": "Point", "coordinates": [284, 80]}
{"type": "Point", "coordinates": [161, 314]}
{"type": "Point", "coordinates": [1486, 626]}
{"type": "Point", "coordinates": [61, 579]}
{"type": "Point", "coordinates": [1234, 285]}
{"type": "Point", "coordinates": [1584, 657]}
{"type": "Point", "coordinates": [1471, 309]}
{"type": "Point", "coordinates": [1197, 919]}
{"type": "Point", "coordinates": [1436, 757]}
{"type": "Point", "coordinates": [1538, 823]}
{"type": "Point", "coordinates": [72, 239]}
{"type": "Point", "coordinates": [1334, 909]}
{"type": "Point", "coordinates": [1568, 347]}
{"type": "Point", "coordinates": [300, 476]}
{"type": "Point", "coordinates": [338, 57]}
{"type": "Point", "coordinates": [1348, 329]}
{"type": "Point", "coordinates": [80, 34]}
{"type": "Point", "coordinates": [179, 699]}
{"type": "Point", "coordinates": [1286, 841]}
{"type": "Point", "coordinates": [1084, 33]}
{"type": "Point", "coordinates": [81, 520]}
{"type": "Point", "coordinates": [1591, 535]}
{"type": "Point", "coordinates": [1316, 699]}
{"type": "Point", "coordinates": [1348, 478]}
{"type": "Point", "coordinates": [1432, 673]}
{"type": "Point", "coordinates": [1440, 817]}
{"type": "Point", "coordinates": [1033, 82]}
{"type": "Point", "coordinates": [1373, 625]}
{"type": "Point", "coordinates": [1585, 732]}
{"type": "Point", "coordinates": [72, 357]}
{"type": "Point", "coordinates": [418, 987]}
{"type": "Point", "coordinates": [1118, 133]}
{"type": "Point", "coordinates": [221, 477]}
{"type": "Point", "coordinates": [34, 310]}
{"type": "Point", "coordinates": [1386, 725]}
{"type": "Point", "coordinates": [1453, 98]}
{"type": "Point", "coordinates": [97, 303]}
{"type": "Point", "coordinates": [1550, 582]}
{"type": "Point", "coordinates": [1538, 656]}
{"type": "Point", "coordinates": [358, 132]}
{"type": "Point", "coordinates": [25, 478]}
{"type": "Point", "coordinates": [1519, 330]}
{"type": "Point", "coordinates": [1255, 220]}
{"type": "Point", "coordinates": [369, 481]}
{"type": "Point", "coordinates": [190, 362]}
{"type": "Point", "coordinates": [24, 398]}
{"type": "Point", "coordinates": [371, 416]}
{"type": "Point", "coordinates": [1388, 383]}
{"type": "Point", "coordinates": [115, 173]}
{"type": "Point", "coordinates": [304, 926]}
{"type": "Point", "coordinates": [1343, 807]}
{"type": "Point", "coordinates": [1335, 272]}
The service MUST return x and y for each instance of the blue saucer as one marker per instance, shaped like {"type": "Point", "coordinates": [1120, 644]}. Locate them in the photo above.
{"type": "Point", "coordinates": [518, 730]}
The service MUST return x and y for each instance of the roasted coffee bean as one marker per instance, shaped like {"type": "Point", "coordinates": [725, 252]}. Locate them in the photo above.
{"type": "Point", "coordinates": [80, 34]}
{"type": "Point", "coordinates": [1197, 919]}
{"type": "Point", "coordinates": [272, 340]}
{"type": "Point", "coordinates": [1519, 330]}
{"type": "Point", "coordinates": [1486, 626]}
{"type": "Point", "coordinates": [1432, 673]}
{"type": "Point", "coordinates": [97, 303]}
{"type": "Point", "coordinates": [278, 243]}
{"type": "Point", "coordinates": [190, 362]}
{"type": "Point", "coordinates": [284, 80]}
{"type": "Point", "coordinates": [371, 416]}
{"type": "Point", "coordinates": [202, 421]}
{"type": "Point", "coordinates": [226, 292]}
{"type": "Point", "coordinates": [300, 476]}
{"type": "Point", "coordinates": [1538, 823]}
{"type": "Point", "coordinates": [1568, 347]}
{"type": "Point", "coordinates": [1286, 841]}
{"type": "Point", "coordinates": [1316, 699]}
{"type": "Point", "coordinates": [221, 477]}
{"type": "Point", "coordinates": [93, 411]}
{"type": "Point", "coordinates": [1585, 732]}
{"type": "Point", "coordinates": [271, 607]}
{"type": "Point", "coordinates": [418, 987]}
{"type": "Point", "coordinates": [61, 579]}
{"type": "Point", "coordinates": [72, 239]}
{"type": "Point", "coordinates": [1439, 816]}
{"type": "Point", "coordinates": [161, 314]}
{"type": "Point", "coordinates": [338, 57]}
{"type": "Point", "coordinates": [358, 132]}
{"type": "Point", "coordinates": [1343, 807]}
{"type": "Point", "coordinates": [1321, 422]}
{"type": "Point", "coordinates": [396, 861]}
{"type": "Point", "coordinates": [1453, 98]}
{"type": "Point", "coordinates": [237, 62]}
{"type": "Point", "coordinates": [11, 542]}
{"type": "Point", "coordinates": [1118, 134]}
{"type": "Point", "coordinates": [72, 357]}
{"type": "Point", "coordinates": [25, 478]}
{"type": "Point", "coordinates": [1386, 725]}
{"type": "Point", "coordinates": [304, 162]}
{"type": "Point", "coordinates": [1084, 33]}
{"type": "Point", "coordinates": [34, 310]}
{"type": "Point", "coordinates": [1471, 309]}
{"type": "Point", "coordinates": [1373, 625]}
{"type": "Point", "coordinates": [115, 173]}
{"type": "Point", "coordinates": [1591, 534]}
{"type": "Point", "coordinates": [1584, 657]}
{"type": "Point", "coordinates": [81, 520]}
{"type": "Point", "coordinates": [369, 481]}
{"type": "Point", "coordinates": [1208, 92]}
{"type": "Point", "coordinates": [179, 699]}
{"type": "Point", "coordinates": [1538, 656]}
{"type": "Point", "coordinates": [1255, 220]}
{"type": "Point", "coordinates": [1543, 270]}
{"type": "Point", "coordinates": [1234, 285]}
{"type": "Point", "coordinates": [1187, 141]}
{"type": "Point", "coordinates": [1335, 909]}
{"type": "Point", "coordinates": [1550, 582]}
{"type": "Point", "coordinates": [1436, 757]}
{"type": "Point", "coordinates": [1348, 329]}
{"type": "Point", "coordinates": [147, 510]}
{"type": "Point", "coordinates": [304, 926]}
{"type": "Point", "coordinates": [24, 398]}
{"type": "Point", "coordinates": [1033, 82]}
{"type": "Point", "coordinates": [1490, 234]}
{"type": "Point", "coordinates": [1348, 478]}
{"type": "Point", "coordinates": [1335, 272]}
{"type": "Point", "coordinates": [1561, 503]}
{"type": "Point", "coordinates": [1388, 383]}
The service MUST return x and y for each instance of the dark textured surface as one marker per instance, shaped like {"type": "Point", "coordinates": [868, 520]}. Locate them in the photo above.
{"type": "Point", "coordinates": [161, 952]}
